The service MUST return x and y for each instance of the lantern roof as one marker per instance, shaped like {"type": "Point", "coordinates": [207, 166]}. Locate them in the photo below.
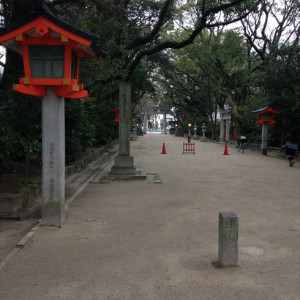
{"type": "Point", "coordinates": [88, 43]}
{"type": "Point", "coordinates": [266, 108]}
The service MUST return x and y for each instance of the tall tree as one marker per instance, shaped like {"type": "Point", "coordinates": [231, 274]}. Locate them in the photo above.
{"type": "Point", "coordinates": [227, 52]}
{"type": "Point", "coordinates": [134, 30]}
{"type": "Point", "coordinates": [273, 36]}
{"type": "Point", "coordinates": [19, 114]}
{"type": "Point", "coordinates": [210, 73]}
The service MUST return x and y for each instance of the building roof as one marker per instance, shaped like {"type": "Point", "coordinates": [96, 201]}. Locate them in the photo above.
{"type": "Point", "coordinates": [42, 10]}
{"type": "Point", "coordinates": [267, 108]}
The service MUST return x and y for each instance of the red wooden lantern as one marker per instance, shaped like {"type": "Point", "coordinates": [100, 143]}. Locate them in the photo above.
{"type": "Point", "coordinates": [51, 50]}
{"type": "Point", "coordinates": [116, 110]}
{"type": "Point", "coordinates": [266, 115]}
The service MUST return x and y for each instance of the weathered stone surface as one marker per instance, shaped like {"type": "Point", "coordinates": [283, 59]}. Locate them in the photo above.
{"type": "Point", "coordinates": [124, 162]}
{"type": "Point", "coordinates": [264, 139]}
{"type": "Point", "coordinates": [123, 166]}
{"type": "Point", "coordinates": [53, 152]}
{"type": "Point", "coordinates": [228, 239]}
{"type": "Point", "coordinates": [124, 116]}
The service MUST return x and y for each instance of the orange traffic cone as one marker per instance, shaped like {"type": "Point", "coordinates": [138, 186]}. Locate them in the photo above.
{"type": "Point", "coordinates": [225, 150]}
{"type": "Point", "coordinates": [163, 151]}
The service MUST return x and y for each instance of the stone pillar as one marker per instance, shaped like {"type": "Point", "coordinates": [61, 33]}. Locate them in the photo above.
{"type": "Point", "coordinates": [53, 156]}
{"type": "Point", "coordinates": [228, 239]}
{"type": "Point", "coordinates": [222, 129]}
{"type": "Point", "coordinates": [124, 162]}
{"type": "Point", "coordinates": [145, 121]}
{"type": "Point", "coordinates": [264, 139]}
{"type": "Point", "coordinates": [227, 129]}
{"type": "Point", "coordinates": [124, 115]}
{"type": "Point", "coordinates": [165, 122]}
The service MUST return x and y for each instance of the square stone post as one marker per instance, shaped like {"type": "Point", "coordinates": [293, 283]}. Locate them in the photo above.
{"type": "Point", "coordinates": [145, 122]}
{"type": "Point", "coordinates": [165, 122]}
{"type": "Point", "coordinates": [264, 139]}
{"type": "Point", "coordinates": [222, 129]}
{"type": "Point", "coordinates": [124, 162]}
{"type": "Point", "coordinates": [228, 239]}
{"type": "Point", "coordinates": [124, 116]}
{"type": "Point", "coordinates": [227, 137]}
{"type": "Point", "coordinates": [53, 157]}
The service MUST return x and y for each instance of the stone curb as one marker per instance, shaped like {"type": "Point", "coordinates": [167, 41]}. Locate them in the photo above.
{"type": "Point", "coordinates": [20, 244]}
{"type": "Point", "coordinates": [69, 170]}
{"type": "Point", "coordinates": [28, 236]}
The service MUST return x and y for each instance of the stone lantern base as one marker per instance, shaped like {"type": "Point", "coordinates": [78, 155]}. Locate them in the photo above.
{"type": "Point", "coordinates": [123, 166]}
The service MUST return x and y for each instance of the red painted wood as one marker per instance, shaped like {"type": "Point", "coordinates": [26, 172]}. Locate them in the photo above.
{"type": "Point", "coordinates": [37, 86]}
{"type": "Point", "coordinates": [29, 89]}
{"type": "Point", "coordinates": [188, 147]}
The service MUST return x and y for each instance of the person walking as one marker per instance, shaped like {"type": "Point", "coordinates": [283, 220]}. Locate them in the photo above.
{"type": "Point", "coordinates": [241, 143]}
{"type": "Point", "coordinates": [291, 147]}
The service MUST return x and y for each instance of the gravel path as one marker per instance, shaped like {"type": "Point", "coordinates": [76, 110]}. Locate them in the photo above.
{"type": "Point", "coordinates": [146, 240]}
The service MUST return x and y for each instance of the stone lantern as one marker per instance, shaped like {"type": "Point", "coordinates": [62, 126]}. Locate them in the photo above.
{"type": "Point", "coordinates": [51, 50]}
{"type": "Point", "coordinates": [195, 137]}
{"type": "Point", "coordinates": [116, 110]}
{"type": "Point", "coordinates": [265, 118]}
{"type": "Point", "coordinates": [203, 138]}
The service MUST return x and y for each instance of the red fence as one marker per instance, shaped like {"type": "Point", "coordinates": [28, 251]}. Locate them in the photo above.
{"type": "Point", "coordinates": [188, 147]}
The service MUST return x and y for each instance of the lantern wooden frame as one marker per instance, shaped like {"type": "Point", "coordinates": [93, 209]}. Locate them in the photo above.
{"type": "Point", "coordinates": [266, 115]}
{"type": "Point", "coordinates": [116, 110]}
{"type": "Point", "coordinates": [42, 29]}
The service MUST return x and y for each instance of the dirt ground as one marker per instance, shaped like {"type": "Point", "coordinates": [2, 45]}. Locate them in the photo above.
{"type": "Point", "coordinates": [143, 240]}
{"type": "Point", "coordinates": [11, 232]}
{"type": "Point", "coordinates": [11, 181]}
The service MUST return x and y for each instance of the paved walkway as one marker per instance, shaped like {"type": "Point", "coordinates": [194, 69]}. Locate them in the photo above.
{"type": "Point", "coordinates": [144, 240]}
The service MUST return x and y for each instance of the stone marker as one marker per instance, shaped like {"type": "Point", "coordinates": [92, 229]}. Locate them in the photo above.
{"type": "Point", "coordinates": [53, 174]}
{"type": "Point", "coordinates": [228, 239]}
{"type": "Point", "coordinates": [264, 139]}
{"type": "Point", "coordinates": [124, 163]}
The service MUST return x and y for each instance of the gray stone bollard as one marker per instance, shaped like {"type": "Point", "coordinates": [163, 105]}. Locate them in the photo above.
{"type": "Point", "coordinates": [228, 239]}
